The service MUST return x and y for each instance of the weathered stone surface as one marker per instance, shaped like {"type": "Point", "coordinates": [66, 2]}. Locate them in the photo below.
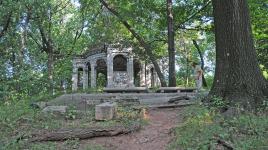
{"type": "Point", "coordinates": [55, 109]}
{"type": "Point", "coordinates": [105, 111]}
{"type": "Point", "coordinates": [127, 100]}
{"type": "Point", "coordinates": [176, 89]}
{"type": "Point", "coordinates": [126, 90]}
{"type": "Point", "coordinates": [96, 102]}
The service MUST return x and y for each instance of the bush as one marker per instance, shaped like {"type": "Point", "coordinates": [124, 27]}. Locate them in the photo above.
{"type": "Point", "coordinates": [203, 127]}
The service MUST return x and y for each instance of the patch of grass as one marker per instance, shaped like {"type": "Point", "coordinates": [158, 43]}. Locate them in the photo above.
{"type": "Point", "coordinates": [94, 147]}
{"type": "Point", "coordinates": [18, 119]}
{"type": "Point", "coordinates": [202, 128]}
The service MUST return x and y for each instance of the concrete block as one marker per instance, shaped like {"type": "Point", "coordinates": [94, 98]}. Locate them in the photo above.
{"type": "Point", "coordinates": [105, 111]}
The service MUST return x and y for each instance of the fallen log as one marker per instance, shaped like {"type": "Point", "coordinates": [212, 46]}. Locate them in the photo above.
{"type": "Point", "coordinates": [181, 104]}
{"type": "Point", "coordinates": [227, 145]}
{"type": "Point", "coordinates": [79, 133]}
{"type": "Point", "coordinates": [178, 98]}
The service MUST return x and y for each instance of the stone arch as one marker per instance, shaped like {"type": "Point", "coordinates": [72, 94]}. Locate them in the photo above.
{"type": "Point", "coordinates": [101, 72]}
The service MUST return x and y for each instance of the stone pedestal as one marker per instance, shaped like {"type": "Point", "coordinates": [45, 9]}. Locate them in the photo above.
{"type": "Point", "coordinates": [105, 111]}
{"type": "Point", "coordinates": [130, 71]}
{"type": "Point", "coordinates": [93, 74]}
{"type": "Point", "coordinates": [85, 78]}
{"type": "Point", "coordinates": [75, 78]}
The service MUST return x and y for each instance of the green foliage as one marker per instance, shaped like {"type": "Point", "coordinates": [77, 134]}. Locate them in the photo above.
{"type": "Point", "coordinates": [218, 102]}
{"type": "Point", "coordinates": [203, 127]}
{"type": "Point", "coordinates": [71, 113]}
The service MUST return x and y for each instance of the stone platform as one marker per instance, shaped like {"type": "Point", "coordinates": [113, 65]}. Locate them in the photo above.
{"type": "Point", "coordinates": [83, 101]}
{"type": "Point", "coordinates": [176, 89]}
{"type": "Point", "coordinates": [126, 90]}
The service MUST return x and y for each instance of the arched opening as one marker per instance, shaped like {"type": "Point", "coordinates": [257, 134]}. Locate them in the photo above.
{"type": "Point", "coordinates": [120, 63]}
{"type": "Point", "coordinates": [152, 77]}
{"type": "Point", "coordinates": [89, 74]}
{"type": "Point", "coordinates": [101, 69]}
{"type": "Point", "coordinates": [137, 71]}
{"type": "Point", "coordinates": [80, 79]}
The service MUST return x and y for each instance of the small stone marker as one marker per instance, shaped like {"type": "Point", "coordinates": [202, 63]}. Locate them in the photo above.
{"type": "Point", "coordinates": [105, 111]}
{"type": "Point", "coordinates": [55, 109]}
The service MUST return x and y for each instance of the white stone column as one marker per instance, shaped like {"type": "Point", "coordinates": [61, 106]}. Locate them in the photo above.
{"type": "Point", "coordinates": [142, 76]}
{"type": "Point", "coordinates": [75, 78]}
{"type": "Point", "coordinates": [93, 74]}
{"type": "Point", "coordinates": [110, 70]}
{"type": "Point", "coordinates": [85, 77]}
{"type": "Point", "coordinates": [130, 71]}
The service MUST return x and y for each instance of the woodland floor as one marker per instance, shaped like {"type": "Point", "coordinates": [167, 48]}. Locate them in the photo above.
{"type": "Point", "coordinates": [155, 135]}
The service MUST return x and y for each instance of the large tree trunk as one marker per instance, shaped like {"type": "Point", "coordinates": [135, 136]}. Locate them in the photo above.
{"type": "Point", "coordinates": [142, 42]}
{"type": "Point", "coordinates": [238, 78]}
{"type": "Point", "coordinates": [171, 46]}
{"type": "Point", "coordinates": [202, 62]}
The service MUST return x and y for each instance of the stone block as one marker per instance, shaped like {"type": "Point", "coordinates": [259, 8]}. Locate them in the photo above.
{"type": "Point", "coordinates": [105, 111]}
{"type": "Point", "coordinates": [55, 109]}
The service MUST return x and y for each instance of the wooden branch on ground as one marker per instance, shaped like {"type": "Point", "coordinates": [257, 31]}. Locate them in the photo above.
{"type": "Point", "coordinates": [85, 133]}
{"type": "Point", "coordinates": [225, 144]}
{"type": "Point", "coordinates": [182, 104]}
{"type": "Point", "coordinates": [178, 98]}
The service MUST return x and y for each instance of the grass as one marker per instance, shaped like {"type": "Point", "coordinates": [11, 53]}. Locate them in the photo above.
{"type": "Point", "coordinates": [18, 119]}
{"type": "Point", "coordinates": [202, 128]}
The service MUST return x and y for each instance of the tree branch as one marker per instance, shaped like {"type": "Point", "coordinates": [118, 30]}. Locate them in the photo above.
{"type": "Point", "coordinates": [142, 42]}
{"type": "Point", "coordinates": [192, 16]}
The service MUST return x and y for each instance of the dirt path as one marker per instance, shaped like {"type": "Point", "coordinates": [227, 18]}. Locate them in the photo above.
{"type": "Point", "coordinates": [154, 136]}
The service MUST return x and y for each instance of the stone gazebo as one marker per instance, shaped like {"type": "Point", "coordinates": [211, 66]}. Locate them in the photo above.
{"type": "Point", "coordinates": [117, 63]}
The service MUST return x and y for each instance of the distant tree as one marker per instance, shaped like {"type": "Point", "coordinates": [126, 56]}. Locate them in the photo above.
{"type": "Point", "coordinates": [238, 78]}
{"type": "Point", "coordinates": [171, 45]}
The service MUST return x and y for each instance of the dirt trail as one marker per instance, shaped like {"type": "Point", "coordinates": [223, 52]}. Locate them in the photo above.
{"type": "Point", "coordinates": [154, 136]}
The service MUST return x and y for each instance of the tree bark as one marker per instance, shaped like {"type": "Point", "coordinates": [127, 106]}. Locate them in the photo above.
{"type": "Point", "coordinates": [86, 133]}
{"type": "Point", "coordinates": [238, 78]}
{"type": "Point", "coordinates": [202, 62]}
{"type": "Point", "coordinates": [171, 46]}
{"type": "Point", "coordinates": [47, 47]}
{"type": "Point", "coordinates": [142, 42]}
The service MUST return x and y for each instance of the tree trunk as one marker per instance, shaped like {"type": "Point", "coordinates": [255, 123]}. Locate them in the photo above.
{"type": "Point", "coordinates": [171, 47]}
{"type": "Point", "coordinates": [6, 24]}
{"type": "Point", "coordinates": [50, 68]}
{"type": "Point", "coordinates": [238, 78]}
{"type": "Point", "coordinates": [142, 42]}
{"type": "Point", "coordinates": [202, 62]}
